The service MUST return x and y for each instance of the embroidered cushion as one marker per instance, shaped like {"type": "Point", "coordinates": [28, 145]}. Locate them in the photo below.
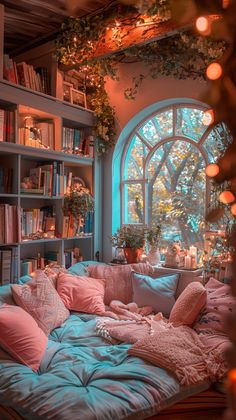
{"type": "Point", "coordinates": [156, 292]}
{"type": "Point", "coordinates": [21, 337]}
{"type": "Point", "coordinates": [189, 304]}
{"type": "Point", "coordinates": [82, 294]}
{"type": "Point", "coordinates": [219, 303]}
{"type": "Point", "coordinates": [40, 299]}
{"type": "Point", "coordinates": [118, 279]}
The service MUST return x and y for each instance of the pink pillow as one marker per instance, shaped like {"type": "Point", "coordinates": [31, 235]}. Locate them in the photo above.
{"type": "Point", "coordinates": [118, 284]}
{"type": "Point", "coordinates": [82, 294]}
{"type": "Point", "coordinates": [220, 302]}
{"type": "Point", "coordinates": [21, 337]}
{"type": "Point", "coordinates": [189, 304]}
{"type": "Point", "coordinates": [40, 299]}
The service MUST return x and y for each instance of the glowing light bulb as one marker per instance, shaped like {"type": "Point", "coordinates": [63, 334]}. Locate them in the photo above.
{"type": "Point", "coordinates": [233, 209]}
{"type": "Point", "coordinates": [75, 39]}
{"type": "Point", "coordinates": [214, 71]}
{"type": "Point", "coordinates": [203, 25]}
{"type": "Point", "coordinates": [212, 170]}
{"type": "Point", "coordinates": [208, 117]}
{"type": "Point", "coordinates": [226, 197]}
{"type": "Point", "coordinates": [117, 23]}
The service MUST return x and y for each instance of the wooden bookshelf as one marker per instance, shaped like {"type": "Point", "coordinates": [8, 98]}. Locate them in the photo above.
{"type": "Point", "coordinates": [16, 159]}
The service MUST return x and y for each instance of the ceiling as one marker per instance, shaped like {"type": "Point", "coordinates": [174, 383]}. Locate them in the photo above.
{"type": "Point", "coordinates": [29, 22]}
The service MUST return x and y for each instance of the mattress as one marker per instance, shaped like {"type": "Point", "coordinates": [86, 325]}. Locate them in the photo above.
{"type": "Point", "coordinates": [84, 377]}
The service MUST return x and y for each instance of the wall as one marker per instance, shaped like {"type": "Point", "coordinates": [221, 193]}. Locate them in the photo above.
{"type": "Point", "coordinates": [129, 113]}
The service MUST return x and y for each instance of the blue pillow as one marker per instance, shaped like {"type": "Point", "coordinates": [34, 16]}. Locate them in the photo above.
{"type": "Point", "coordinates": [78, 269]}
{"type": "Point", "coordinates": [156, 292]}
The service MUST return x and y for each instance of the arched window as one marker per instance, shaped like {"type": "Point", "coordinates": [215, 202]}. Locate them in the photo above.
{"type": "Point", "coordinates": [163, 171]}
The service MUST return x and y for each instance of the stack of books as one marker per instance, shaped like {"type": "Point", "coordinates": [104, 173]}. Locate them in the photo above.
{"type": "Point", "coordinates": [8, 265]}
{"type": "Point", "coordinates": [10, 230]}
{"type": "Point", "coordinates": [7, 126]}
{"type": "Point", "coordinates": [72, 227]}
{"type": "Point", "coordinates": [38, 221]}
{"type": "Point", "coordinates": [44, 138]}
{"type": "Point", "coordinates": [72, 139]}
{"type": "Point", "coordinates": [24, 74]}
{"type": "Point", "coordinates": [46, 179]}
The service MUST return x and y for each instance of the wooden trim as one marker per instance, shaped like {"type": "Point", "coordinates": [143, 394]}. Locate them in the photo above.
{"type": "Point", "coordinates": [1, 39]}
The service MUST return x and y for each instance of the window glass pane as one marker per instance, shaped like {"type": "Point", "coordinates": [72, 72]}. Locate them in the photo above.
{"type": "Point", "coordinates": [217, 141]}
{"type": "Point", "coordinates": [133, 203]}
{"type": "Point", "coordinates": [149, 133]}
{"type": "Point", "coordinates": [189, 123]}
{"type": "Point", "coordinates": [135, 159]}
{"type": "Point", "coordinates": [176, 192]}
{"type": "Point", "coordinates": [164, 124]}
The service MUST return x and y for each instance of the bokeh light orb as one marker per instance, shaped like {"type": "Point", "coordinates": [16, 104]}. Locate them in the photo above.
{"type": "Point", "coordinates": [212, 170]}
{"type": "Point", "coordinates": [214, 71]}
{"type": "Point", "coordinates": [203, 24]}
{"type": "Point", "coordinates": [226, 197]}
{"type": "Point", "coordinates": [208, 117]}
{"type": "Point", "coordinates": [233, 211]}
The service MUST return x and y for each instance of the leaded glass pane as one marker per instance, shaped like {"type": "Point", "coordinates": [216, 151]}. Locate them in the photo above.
{"type": "Point", "coordinates": [216, 142]}
{"type": "Point", "coordinates": [135, 159]}
{"type": "Point", "coordinates": [149, 133]}
{"type": "Point", "coordinates": [189, 123]}
{"type": "Point", "coordinates": [176, 192]}
{"type": "Point", "coordinates": [133, 203]}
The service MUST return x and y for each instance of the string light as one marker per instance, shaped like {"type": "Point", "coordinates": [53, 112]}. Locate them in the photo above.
{"type": "Point", "coordinates": [208, 117]}
{"type": "Point", "coordinates": [214, 71]}
{"type": "Point", "coordinates": [203, 25]}
{"type": "Point", "coordinates": [212, 170]}
{"type": "Point", "coordinates": [226, 197]}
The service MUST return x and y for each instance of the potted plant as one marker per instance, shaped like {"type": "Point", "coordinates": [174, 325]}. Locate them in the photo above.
{"type": "Point", "coordinates": [77, 203]}
{"type": "Point", "coordinates": [132, 239]}
{"type": "Point", "coordinates": [153, 235]}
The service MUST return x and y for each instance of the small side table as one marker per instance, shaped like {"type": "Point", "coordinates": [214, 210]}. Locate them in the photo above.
{"type": "Point", "coordinates": [186, 276]}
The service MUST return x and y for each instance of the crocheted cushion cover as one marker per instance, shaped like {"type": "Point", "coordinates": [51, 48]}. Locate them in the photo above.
{"type": "Point", "coordinates": [39, 298]}
{"type": "Point", "coordinates": [82, 294]}
{"type": "Point", "coordinates": [118, 285]}
{"type": "Point", "coordinates": [189, 304]}
{"type": "Point", "coordinates": [21, 337]}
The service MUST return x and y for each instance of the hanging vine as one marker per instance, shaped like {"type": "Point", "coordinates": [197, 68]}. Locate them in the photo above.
{"type": "Point", "coordinates": [182, 55]}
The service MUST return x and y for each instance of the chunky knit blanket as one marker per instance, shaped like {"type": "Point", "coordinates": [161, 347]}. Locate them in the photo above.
{"type": "Point", "coordinates": [181, 351]}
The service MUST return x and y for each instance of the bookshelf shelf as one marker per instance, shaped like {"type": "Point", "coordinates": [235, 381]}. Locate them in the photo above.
{"type": "Point", "coordinates": [30, 118]}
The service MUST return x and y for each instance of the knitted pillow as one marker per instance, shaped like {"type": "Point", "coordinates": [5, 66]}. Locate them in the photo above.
{"type": "Point", "coordinates": [189, 304]}
{"type": "Point", "coordinates": [39, 298]}
{"type": "Point", "coordinates": [118, 285]}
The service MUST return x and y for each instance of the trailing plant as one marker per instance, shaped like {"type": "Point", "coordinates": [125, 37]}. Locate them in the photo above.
{"type": "Point", "coordinates": [78, 202]}
{"type": "Point", "coordinates": [181, 55]}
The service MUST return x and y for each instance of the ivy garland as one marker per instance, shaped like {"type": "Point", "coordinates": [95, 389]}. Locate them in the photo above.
{"type": "Point", "coordinates": [181, 56]}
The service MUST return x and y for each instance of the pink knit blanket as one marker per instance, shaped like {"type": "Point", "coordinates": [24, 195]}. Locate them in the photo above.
{"type": "Point", "coordinates": [181, 351]}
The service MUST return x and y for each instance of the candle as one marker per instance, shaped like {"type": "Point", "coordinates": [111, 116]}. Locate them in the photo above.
{"type": "Point", "coordinates": [187, 262]}
{"type": "Point", "coordinates": [193, 250]}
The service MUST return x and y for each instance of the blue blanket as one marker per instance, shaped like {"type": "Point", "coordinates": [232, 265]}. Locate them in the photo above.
{"type": "Point", "coordinates": [82, 377]}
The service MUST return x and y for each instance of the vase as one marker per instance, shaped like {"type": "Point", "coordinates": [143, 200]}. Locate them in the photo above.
{"type": "Point", "coordinates": [153, 255]}
{"type": "Point", "coordinates": [132, 255]}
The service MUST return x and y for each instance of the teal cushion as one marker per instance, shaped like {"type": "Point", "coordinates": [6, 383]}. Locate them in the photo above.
{"type": "Point", "coordinates": [156, 292]}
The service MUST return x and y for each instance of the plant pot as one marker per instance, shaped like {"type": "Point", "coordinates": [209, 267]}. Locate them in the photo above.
{"type": "Point", "coordinates": [132, 255]}
{"type": "Point", "coordinates": [154, 255]}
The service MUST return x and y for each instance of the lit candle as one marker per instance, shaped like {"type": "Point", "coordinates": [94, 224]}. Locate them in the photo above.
{"type": "Point", "coordinates": [187, 261]}
{"type": "Point", "coordinates": [193, 251]}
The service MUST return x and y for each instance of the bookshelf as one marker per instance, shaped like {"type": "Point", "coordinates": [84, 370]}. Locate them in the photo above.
{"type": "Point", "coordinates": [43, 132]}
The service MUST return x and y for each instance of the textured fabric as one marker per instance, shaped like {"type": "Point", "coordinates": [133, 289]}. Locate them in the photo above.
{"type": "Point", "coordinates": [40, 299]}
{"type": "Point", "coordinates": [119, 310]}
{"type": "Point", "coordinates": [181, 351]}
{"type": "Point", "coordinates": [21, 337]}
{"type": "Point", "coordinates": [188, 305]}
{"type": "Point", "coordinates": [83, 377]}
{"type": "Point", "coordinates": [158, 293]}
{"type": "Point", "coordinates": [220, 302]}
{"type": "Point", "coordinates": [78, 269]}
{"type": "Point", "coordinates": [118, 279]}
{"type": "Point", "coordinates": [83, 294]}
